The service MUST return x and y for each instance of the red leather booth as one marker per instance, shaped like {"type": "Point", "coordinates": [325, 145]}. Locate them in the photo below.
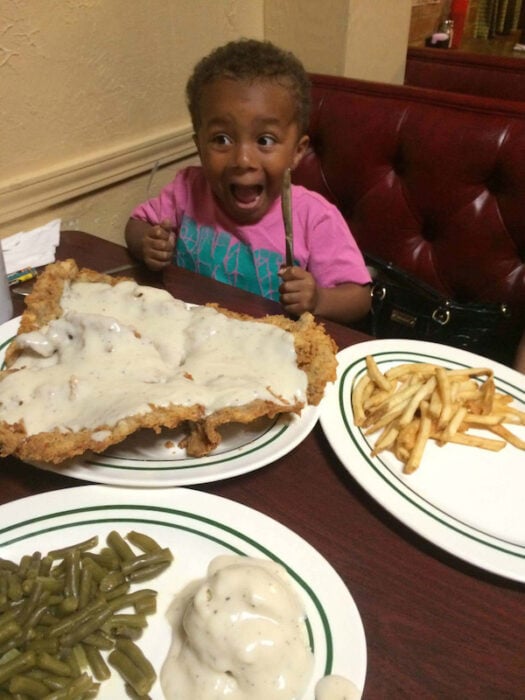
{"type": "Point", "coordinates": [429, 180]}
{"type": "Point", "coordinates": [502, 77]}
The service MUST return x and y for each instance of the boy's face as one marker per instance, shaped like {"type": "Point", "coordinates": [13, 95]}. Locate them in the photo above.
{"type": "Point", "coordinates": [247, 138]}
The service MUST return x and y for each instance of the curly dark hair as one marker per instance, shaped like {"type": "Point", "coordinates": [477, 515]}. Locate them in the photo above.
{"type": "Point", "coordinates": [250, 59]}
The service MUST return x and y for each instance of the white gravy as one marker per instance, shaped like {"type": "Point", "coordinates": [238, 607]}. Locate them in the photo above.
{"type": "Point", "coordinates": [238, 634]}
{"type": "Point", "coordinates": [336, 687]}
{"type": "Point", "coordinates": [118, 349]}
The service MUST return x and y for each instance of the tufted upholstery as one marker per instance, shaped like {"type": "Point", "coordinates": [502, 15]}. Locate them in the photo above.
{"type": "Point", "coordinates": [432, 181]}
{"type": "Point", "coordinates": [473, 74]}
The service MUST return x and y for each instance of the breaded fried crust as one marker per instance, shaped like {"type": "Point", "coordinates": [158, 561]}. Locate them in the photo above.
{"type": "Point", "coordinates": [58, 322]}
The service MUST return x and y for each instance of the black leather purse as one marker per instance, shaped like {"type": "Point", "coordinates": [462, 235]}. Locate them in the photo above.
{"type": "Point", "coordinates": [405, 307]}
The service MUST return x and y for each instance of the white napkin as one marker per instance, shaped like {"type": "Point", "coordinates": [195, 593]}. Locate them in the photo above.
{"type": "Point", "coordinates": [31, 248]}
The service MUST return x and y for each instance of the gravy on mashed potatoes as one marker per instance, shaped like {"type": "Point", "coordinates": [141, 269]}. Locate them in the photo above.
{"type": "Point", "coordinates": [239, 634]}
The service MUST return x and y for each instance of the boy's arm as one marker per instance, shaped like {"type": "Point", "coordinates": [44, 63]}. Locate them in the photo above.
{"type": "Point", "coordinates": [152, 244]}
{"type": "Point", "coordinates": [345, 303]}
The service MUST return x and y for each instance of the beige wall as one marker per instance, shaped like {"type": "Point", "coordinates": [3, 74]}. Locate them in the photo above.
{"type": "Point", "coordinates": [358, 38]}
{"type": "Point", "coordinates": [92, 91]}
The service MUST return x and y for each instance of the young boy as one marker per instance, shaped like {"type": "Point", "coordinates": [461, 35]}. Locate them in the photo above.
{"type": "Point", "coordinates": [249, 103]}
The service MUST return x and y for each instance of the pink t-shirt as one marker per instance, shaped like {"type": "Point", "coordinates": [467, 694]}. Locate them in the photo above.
{"type": "Point", "coordinates": [250, 256]}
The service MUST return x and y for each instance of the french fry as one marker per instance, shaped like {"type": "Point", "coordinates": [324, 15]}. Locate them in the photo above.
{"type": "Point", "coordinates": [376, 375]}
{"type": "Point", "coordinates": [477, 441]}
{"type": "Point", "coordinates": [443, 386]}
{"type": "Point", "coordinates": [413, 403]}
{"type": "Point", "coordinates": [508, 435]}
{"type": "Point", "coordinates": [357, 400]}
{"type": "Point", "coordinates": [454, 423]}
{"type": "Point", "coordinates": [425, 426]}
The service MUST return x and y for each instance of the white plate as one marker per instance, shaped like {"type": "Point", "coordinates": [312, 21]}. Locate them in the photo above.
{"type": "Point", "coordinates": [466, 500]}
{"type": "Point", "coordinates": [149, 460]}
{"type": "Point", "coordinates": [197, 527]}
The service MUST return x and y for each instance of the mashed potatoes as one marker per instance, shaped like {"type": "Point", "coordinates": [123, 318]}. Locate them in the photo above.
{"type": "Point", "coordinates": [239, 634]}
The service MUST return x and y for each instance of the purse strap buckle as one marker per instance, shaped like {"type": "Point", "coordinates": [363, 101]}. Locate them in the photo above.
{"type": "Point", "coordinates": [441, 315]}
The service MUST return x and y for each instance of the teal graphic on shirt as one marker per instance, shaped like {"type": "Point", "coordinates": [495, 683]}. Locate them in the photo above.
{"type": "Point", "coordinates": [219, 255]}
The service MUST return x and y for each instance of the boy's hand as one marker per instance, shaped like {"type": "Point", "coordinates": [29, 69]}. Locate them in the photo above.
{"type": "Point", "coordinates": [158, 245]}
{"type": "Point", "coordinates": [298, 290]}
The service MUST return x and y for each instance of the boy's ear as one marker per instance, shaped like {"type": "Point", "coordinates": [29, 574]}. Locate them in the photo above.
{"type": "Point", "coordinates": [196, 142]}
{"type": "Point", "coordinates": [300, 150]}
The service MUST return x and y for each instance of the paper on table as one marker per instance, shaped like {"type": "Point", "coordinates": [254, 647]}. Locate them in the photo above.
{"type": "Point", "coordinates": [31, 248]}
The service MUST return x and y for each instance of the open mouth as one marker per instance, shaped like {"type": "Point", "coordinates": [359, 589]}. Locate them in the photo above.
{"type": "Point", "coordinates": [246, 195]}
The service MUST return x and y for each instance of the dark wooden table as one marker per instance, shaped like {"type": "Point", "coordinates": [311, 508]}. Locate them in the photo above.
{"type": "Point", "coordinates": [436, 627]}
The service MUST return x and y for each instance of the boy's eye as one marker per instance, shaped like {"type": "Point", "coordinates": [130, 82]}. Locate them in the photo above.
{"type": "Point", "coordinates": [266, 140]}
{"type": "Point", "coordinates": [221, 139]}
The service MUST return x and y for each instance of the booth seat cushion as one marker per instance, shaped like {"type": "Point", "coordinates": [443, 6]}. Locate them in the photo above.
{"type": "Point", "coordinates": [432, 181]}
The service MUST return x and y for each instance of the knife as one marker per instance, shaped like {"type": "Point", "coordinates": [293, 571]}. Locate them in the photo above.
{"type": "Point", "coordinates": [286, 204]}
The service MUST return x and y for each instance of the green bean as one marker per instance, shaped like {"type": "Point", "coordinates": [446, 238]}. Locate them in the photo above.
{"type": "Point", "coordinates": [48, 583]}
{"type": "Point", "coordinates": [28, 686]}
{"type": "Point", "coordinates": [129, 626]}
{"type": "Point", "coordinates": [130, 672]}
{"type": "Point", "coordinates": [34, 618]}
{"type": "Point", "coordinates": [144, 542]}
{"type": "Point", "coordinates": [108, 558]}
{"type": "Point", "coordinates": [87, 626]}
{"type": "Point", "coordinates": [59, 611]}
{"type": "Point", "coordinates": [50, 663]}
{"type": "Point", "coordinates": [55, 682]}
{"type": "Point", "coordinates": [130, 599]}
{"type": "Point", "coordinates": [14, 587]}
{"type": "Point", "coordinates": [146, 605]}
{"type": "Point", "coordinates": [48, 619]}
{"type": "Point", "coordinates": [118, 591]}
{"type": "Point", "coordinates": [111, 580]}
{"type": "Point", "coordinates": [146, 560]}
{"type": "Point", "coordinates": [82, 546]}
{"type": "Point", "coordinates": [133, 695]}
{"type": "Point", "coordinates": [7, 565]}
{"type": "Point", "coordinates": [10, 614]}
{"type": "Point", "coordinates": [67, 623]}
{"type": "Point", "coordinates": [67, 605]}
{"type": "Point", "coordinates": [10, 630]}
{"type": "Point", "coordinates": [74, 690]}
{"type": "Point", "coordinates": [129, 619]}
{"type": "Point", "coordinates": [136, 655]}
{"type": "Point", "coordinates": [3, 591]}
{"type": "Point", "coordinates": [20, 663]}
{"type": "Point", "coordinates": [100, 640]}
{"type": "Point", "coordinates": [70, 656]}
{"type": "Point", "coordinates": [97, 571]}
{"type": "Point", "coordinates": [45, 565]}
{"type": "Point", "coordinates": [23, 566]}
{"type": "Point", "coordinates": [120, 546]}
{"type": "Point", "coordinates": [98, 666]}
{"type": "Point", "coordinates": [72, 582]}
{"type": "Point", "coordinates": [85, 587]}
{"type": "Point", "coordinates": [34, 565]}
{"type": "Point", "coordinates": [36, 597]}
{"type": "Point", "coordinates": [43, 644]}
{"type": "Point", "coordinates": [147, 573]}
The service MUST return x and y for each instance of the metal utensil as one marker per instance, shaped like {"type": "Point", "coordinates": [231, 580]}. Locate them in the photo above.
{"type": "Point", "coordinates": [286, 204]}
{"type": "Point", "coordinates": [26, 288]}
